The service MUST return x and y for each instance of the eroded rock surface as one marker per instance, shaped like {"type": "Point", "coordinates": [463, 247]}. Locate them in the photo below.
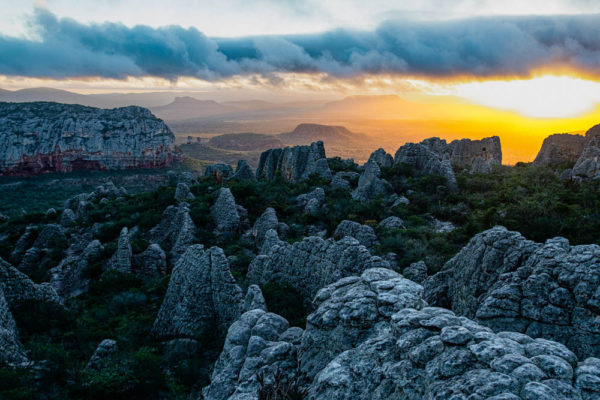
{"type": "Point", "coordinates": [175, 232]}
{"type": "Point", "coordinates": [363, 233]}
{"type": "Point", "coordinates": [294, 164]}
{"type": "Point", "coordinates": [225, 214]}
{"type": "Point", "coordinates": [202, 297]}
{"type": "Point", "coordinates": [560, 149]}
{"type": "Point", "coordinates": [40, 137]}
{"type": "Point", "coordinates": [381, 157]}
{"type": "Point", "coordinates": [370, 185]}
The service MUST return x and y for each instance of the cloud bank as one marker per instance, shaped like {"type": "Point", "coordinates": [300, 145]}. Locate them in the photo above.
{"type": "Point", "coordinates": [480, 47]}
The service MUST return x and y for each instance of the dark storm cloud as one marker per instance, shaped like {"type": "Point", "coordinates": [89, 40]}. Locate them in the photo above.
{"type": "Point", "coordinates": [476, 46]}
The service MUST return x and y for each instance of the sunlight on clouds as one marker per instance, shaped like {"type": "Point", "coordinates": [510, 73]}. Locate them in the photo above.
{"type": "Point", "coordinates": [542, 97]}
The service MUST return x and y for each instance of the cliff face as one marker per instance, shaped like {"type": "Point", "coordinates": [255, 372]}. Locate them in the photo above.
{"type": "Point", "coordinates": [560, 149]}
{"type": "Point", "coordinates": [51, 137]}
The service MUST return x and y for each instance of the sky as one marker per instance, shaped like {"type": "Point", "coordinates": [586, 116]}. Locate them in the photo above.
{"type": "Point", "coordinates": [537, 58]}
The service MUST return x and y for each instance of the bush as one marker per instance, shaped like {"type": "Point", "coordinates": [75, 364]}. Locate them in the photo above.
{"type": "Point", "coordinates": [286, 301]}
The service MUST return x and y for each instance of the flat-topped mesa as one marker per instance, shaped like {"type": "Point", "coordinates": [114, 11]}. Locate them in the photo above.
{"type": "Point", "coordinates": [43, 137]}
{"type": "Point", "coordinates": [560, 148]}
{"type": "Point", "coordinates": [294, 164]}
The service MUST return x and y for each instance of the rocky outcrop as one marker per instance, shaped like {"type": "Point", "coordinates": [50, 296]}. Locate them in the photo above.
{"type": "Point", "coordinates": [225, 214]}
{"type": "Point", "coordinates": [588, 163]}
{"type": "Point", "coordinates": [294, 164]}
{"type": "Point", "coordinates": [370, 185]}
{"type": "Point", "coordinates": [464, 152]}
{"type": "Point", "coordinates": [426, 160]}
{"type": "Point", "coordinates": [259, 349]}
{"type": "Point", "coordinates": [382, 158]}
{"type": "Point", "coordinates": [363, 233]}
{"type": "Point", "coordinates": [219, 172]}
{"type": "Point", "coordinates": [19, 289]}
{"type": "Point", "coordinates": [311, 203]}
{"type": "Point", "coordinates": [391, 223]}
{"type": "Point", "coordinates": [69, 277]}
{"type": "Point", "coordinates": [341, 180]}
{"type": "Point", "coordinates": [243, 172]}
{"type": "Point", "coordinates": [312, 263]}
{"type": "Point", "coordinates": [416, 272]}
{"type": "Point", "coordinates": [254, 299]}
{"type": "Point", "coordinates": [43, 137]}
{"type": "Point", "coordinates": [11, 351]}
{"type": "Point", "coordinates": [268, 220]}
{"type": "Point", "coordinates": [103, 355]}
{"type": "Point", "coordinates": [560, 149]}
{"type": "Point", "coordinates": [151, 263]}
{"type": "Point", "coordinates": [121, 260]}
{"type": "Point", "coordinates": [175, 232]}
{"type": "Point", "coordinates": [202, 298]}
{"type": "Point", "coordinates": [510, 283]}
{"type": "Point", "coordinates": [183, 193]}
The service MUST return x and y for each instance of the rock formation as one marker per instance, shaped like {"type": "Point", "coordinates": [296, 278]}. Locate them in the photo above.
{"type": "Point", "coordinates": [11, 351]}
{"type": "Point", "coordinates": [311, 203]}
{"type": "Point", "coordinates": [294, 164]}
{"type": "Point", "coordinates": [312, 263]}
{"type": "Point", "coordinates": [268, 220]}
{"type": "Point", "coordinates": [19, 289]}
{"type": "Point", "coordinates": [43, 137]}
{"type": "Point", "coordinates": [588, 163]}
{"type": "Point", "coordinates": [341, 180]}
{"type": "Point", "coordinates": [175, 232]}
{"type": "Point", "coordinates": [259, 346]}
{"type": "Point", "coordinates": [382, 158]}
{"type": "Point", "coordinates": [465, 151]}
{"type": "Point", "coordinates": [151, 263]}
{"type": "Point", "coordinates": [202, 297]}
{"type": "Point", "coordinates": [254, 299]}
{"type": "Point", "coordinates": [121, 260]}
{"type": "Point", "coordinates": [219, 172]}
{"type": "Point", "coordinates": [560, 149]}
{"type": "Point", "coordinates": [391, 223]}
{"type": "Point", "coordinates": [425, 159]}
{"type": "Point", "coordinates": [103, 354]}
{"type": "Point", "coordinates": [416, 272]}
{"type": "Point", "coordinates": [243, 172]}
{"type": "Point", "coordinates": [370, 185]}
{"type": "Point", "coordinates": [183, 193]}
{"type": "Point", "coordinates": [510, 283]}
{"type": "Point", "coordinates": [363, 233]}
{"type": "Point", "coordinates": [68, 278]}
{"type": "Point", "coordinates": [225, 215]}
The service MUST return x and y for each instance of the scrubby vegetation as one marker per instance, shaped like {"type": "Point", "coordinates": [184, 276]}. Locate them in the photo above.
{"type": "Point", "coordinates": [528, 199]}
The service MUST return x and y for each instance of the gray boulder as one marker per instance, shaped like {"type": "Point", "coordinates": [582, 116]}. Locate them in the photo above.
{"type": "Point", "coordinates": [103, 355]}
{"type": "Point", "coordinates": [202, 297]}
{"type": "Point", "coordinates": [370, 185]}
{"type": "Point", "coordinates": [424, 159]}
{"type": "Point", "coordinates": [259, 349]}
{"type": "Point", "coordinates": [311, 263]}
{"type": "Point", "coordinates": [392, 223]}
{"type": "Point", "coordinates": [243, 172]}
{"type": "Point", "coordinates": [509, 283]}
{"type": "Point", "coordinates": [225, 214]}
{"type": "Point", "coordinates": [363, 233]}
{"type": "Point", "coordinates": [416, 272]}
{"type": "Point", "coordinates": [23, 244]}
{"type": "Point", "coordinates": [268, 220]}
{"type": "Point", "coordinates": [175, 232]}
{"type": "Point", "coordinates": [11, 351]}
{"type": "Point", "coordinates": [341, 180]}
{"type": "Point", "coordinates": [121, 260]}
{"type": "Point", "coordinates": [19, 289]}
{"type": "Point", "coordinates": [68, 277]}
{"type": "Point", "coordinates": [68, 217]}
{"type": "Point", "coordinates": [151, 263]}
{"type": "Point", "coordinates": [311, 203]}
{"type": "Point", "coordinates": [560, 149]}
{"type": "Point", "coordinates": [294, 164]}
{"type": "Point", "coordinates": [254, 299]}
{"type": "Point", "coordinates": [219, 172]}
{"type": "Point", "coordinates": [382, 158]}
{"type": "Point", "coordinates": [183, 193]}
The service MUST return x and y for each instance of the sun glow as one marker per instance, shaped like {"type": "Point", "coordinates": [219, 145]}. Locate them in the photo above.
{"type": "Point", "coordinates": [541, 97]}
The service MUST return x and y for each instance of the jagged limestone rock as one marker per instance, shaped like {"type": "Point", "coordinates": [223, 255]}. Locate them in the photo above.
{"type": "Point", "coordinates": [424, 159]}
{"type": "Point", "coordinates": [183, 193]}
{"type": "Point", "coordinates": [294, 164]}
{"type": "Point", "coordinates": [175, 232]}
{"type": "Point", "coordinates": [480, 166]}
{"type": "Point", "coordinates": [151, 263]}
{"type": "Point", "coordinates": [311, 263]}
{"type": "Point", "coordinates": [202, 297]}
{"type": "Point", "coordinates": [225, 215]}
{"type": "Point", "coordinates": [392, 223]}
{"type": "Point", "coordinates": [311, 203]}
{"type": "Point", "coordinates": [363, 233]}
{"type": "Point", "coordinates": [268, 220]}
{"type": "Point", "coordinates": [219, 172]}
{"type": "Point", "coordinates": [103, 354]}
{"type": "Point", "coordinates": [416, 272]}
{"type": "Point", "coordinates": [11, 351]}
{"type": "Point", "coordinates": [243, 172]}
{"type": "Point", "coordinates": [51, 137]}
{"type": "Point", "coordinates": [68, 278]}
{"type": "Point", "coordinates": [560, 149]}
{"type": "Point", "coordinates": [259, 346]}
{"type": "Point", "coordinates": [510, 283]}
{"type": "Point", "coordinates": [254, 299]}
{"type": "Point", "coordinates": [382, 158]}
{"type": "Point", "coordinates": [68, 217]}
{"type": "Point", "coordinates": [19, 289]}
{"type": "Point", "coordinates": [121, 260]}
{"type": "Point", "coordinates": [370, 185]}
{"type": "Point", "coordinates": [23, 244]}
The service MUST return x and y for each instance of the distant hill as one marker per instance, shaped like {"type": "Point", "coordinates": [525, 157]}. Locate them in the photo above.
{"type": "Point", "coordinates": [189, 107]}
{"type": "Point", "coordinates": [245, 141]}
{"type": "Point", "coordinates": [330, 135]}
{"type": "Point", "coordinates": [46, 94]}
